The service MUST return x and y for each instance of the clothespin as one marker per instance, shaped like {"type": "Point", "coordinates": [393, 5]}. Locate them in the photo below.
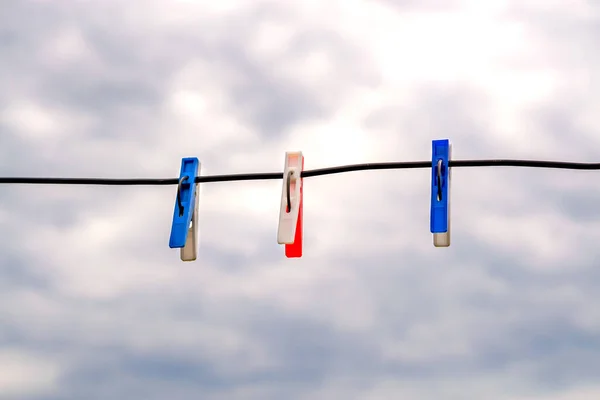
{"type": "Point", "coordinates": [289, 231]}
{"type": "Point", "coordinates": [184, 230]}
{"type": "Point", "coordinates": [440, 192]}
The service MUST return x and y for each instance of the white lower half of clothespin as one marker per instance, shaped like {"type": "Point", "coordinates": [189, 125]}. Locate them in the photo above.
{"type": "Point", "coordinates": [190, 251]}
{"type": "Point", "coordinates": [443, 239]}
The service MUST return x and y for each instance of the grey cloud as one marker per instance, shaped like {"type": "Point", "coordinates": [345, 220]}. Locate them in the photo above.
{"type": "Point", "coordinates": [306, 352]}
{"type": "Point", "coordinates": [129, 70]}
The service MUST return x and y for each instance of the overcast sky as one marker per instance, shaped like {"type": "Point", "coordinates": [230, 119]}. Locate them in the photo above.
{"type": "Point", "coordinates": [94, 304]}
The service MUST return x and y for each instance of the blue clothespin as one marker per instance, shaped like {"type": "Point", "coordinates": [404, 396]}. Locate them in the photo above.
{"type": "Point", "coordinates": [440, 192]}
{"type": "Point", "coordinates": [184, 230]}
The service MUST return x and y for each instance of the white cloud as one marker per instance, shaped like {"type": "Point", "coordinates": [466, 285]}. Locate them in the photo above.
{"type": "Point", "coordinates": [25, 373]}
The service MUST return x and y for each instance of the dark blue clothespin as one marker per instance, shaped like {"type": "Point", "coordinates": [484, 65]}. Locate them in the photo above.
{"type": "Point", "coordinates": [184, 230]}
{"type": "Point", "coordinates": [440, 192]}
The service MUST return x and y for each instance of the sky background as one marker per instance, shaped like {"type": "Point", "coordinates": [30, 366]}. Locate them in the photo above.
{"type": "Point", "coordinates": [94, 304]}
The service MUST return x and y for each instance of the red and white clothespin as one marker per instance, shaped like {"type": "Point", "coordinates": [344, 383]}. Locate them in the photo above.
{"type": "Point", "coordinates": [289, 232]}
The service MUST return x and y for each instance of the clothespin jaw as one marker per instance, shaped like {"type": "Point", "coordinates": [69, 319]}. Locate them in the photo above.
{"type": "Point", "coordinates": [184, 230]}
{"type": "Point", "coordinates": [440, 192]}
{"type": "Point", "coordinates": [289, 231]}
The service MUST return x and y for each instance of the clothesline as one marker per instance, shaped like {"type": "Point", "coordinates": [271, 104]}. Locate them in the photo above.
{"type": "Point", "coordinates": [184, 229]}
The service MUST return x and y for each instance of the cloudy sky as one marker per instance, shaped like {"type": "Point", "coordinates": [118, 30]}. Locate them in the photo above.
{"type": "Point", "coordinates": [94, 304]}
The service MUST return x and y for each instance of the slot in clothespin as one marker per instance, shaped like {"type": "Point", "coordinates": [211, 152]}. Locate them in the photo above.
{"type": "Point", "coordinates": [289, 231]}
{"type": "Point", "coordinates": [440, 192]}
{"type": "Point", "coordinates": [184, 230]}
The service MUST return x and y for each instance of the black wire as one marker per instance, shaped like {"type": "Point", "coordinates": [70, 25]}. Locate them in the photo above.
{"type": "Point", "coordinates": [90, 181]}
{"type": "Point", "coordinates": [525, 163]}
{"type": "Point", "coordinates": [304, 174]}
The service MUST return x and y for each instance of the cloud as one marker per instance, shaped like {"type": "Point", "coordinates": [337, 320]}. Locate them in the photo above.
{"type": "Point", "coordinates": [93, 304]}
{"type": "Point", "coordinates": [25, 374]}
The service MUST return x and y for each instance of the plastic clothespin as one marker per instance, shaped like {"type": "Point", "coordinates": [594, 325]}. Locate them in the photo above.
{"type": "Point", "coordinates": [289, 231]}
{"type": "Point", "coordinates": [440, 192]}
{"type": "Point", "coordinates": [184, 230]}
